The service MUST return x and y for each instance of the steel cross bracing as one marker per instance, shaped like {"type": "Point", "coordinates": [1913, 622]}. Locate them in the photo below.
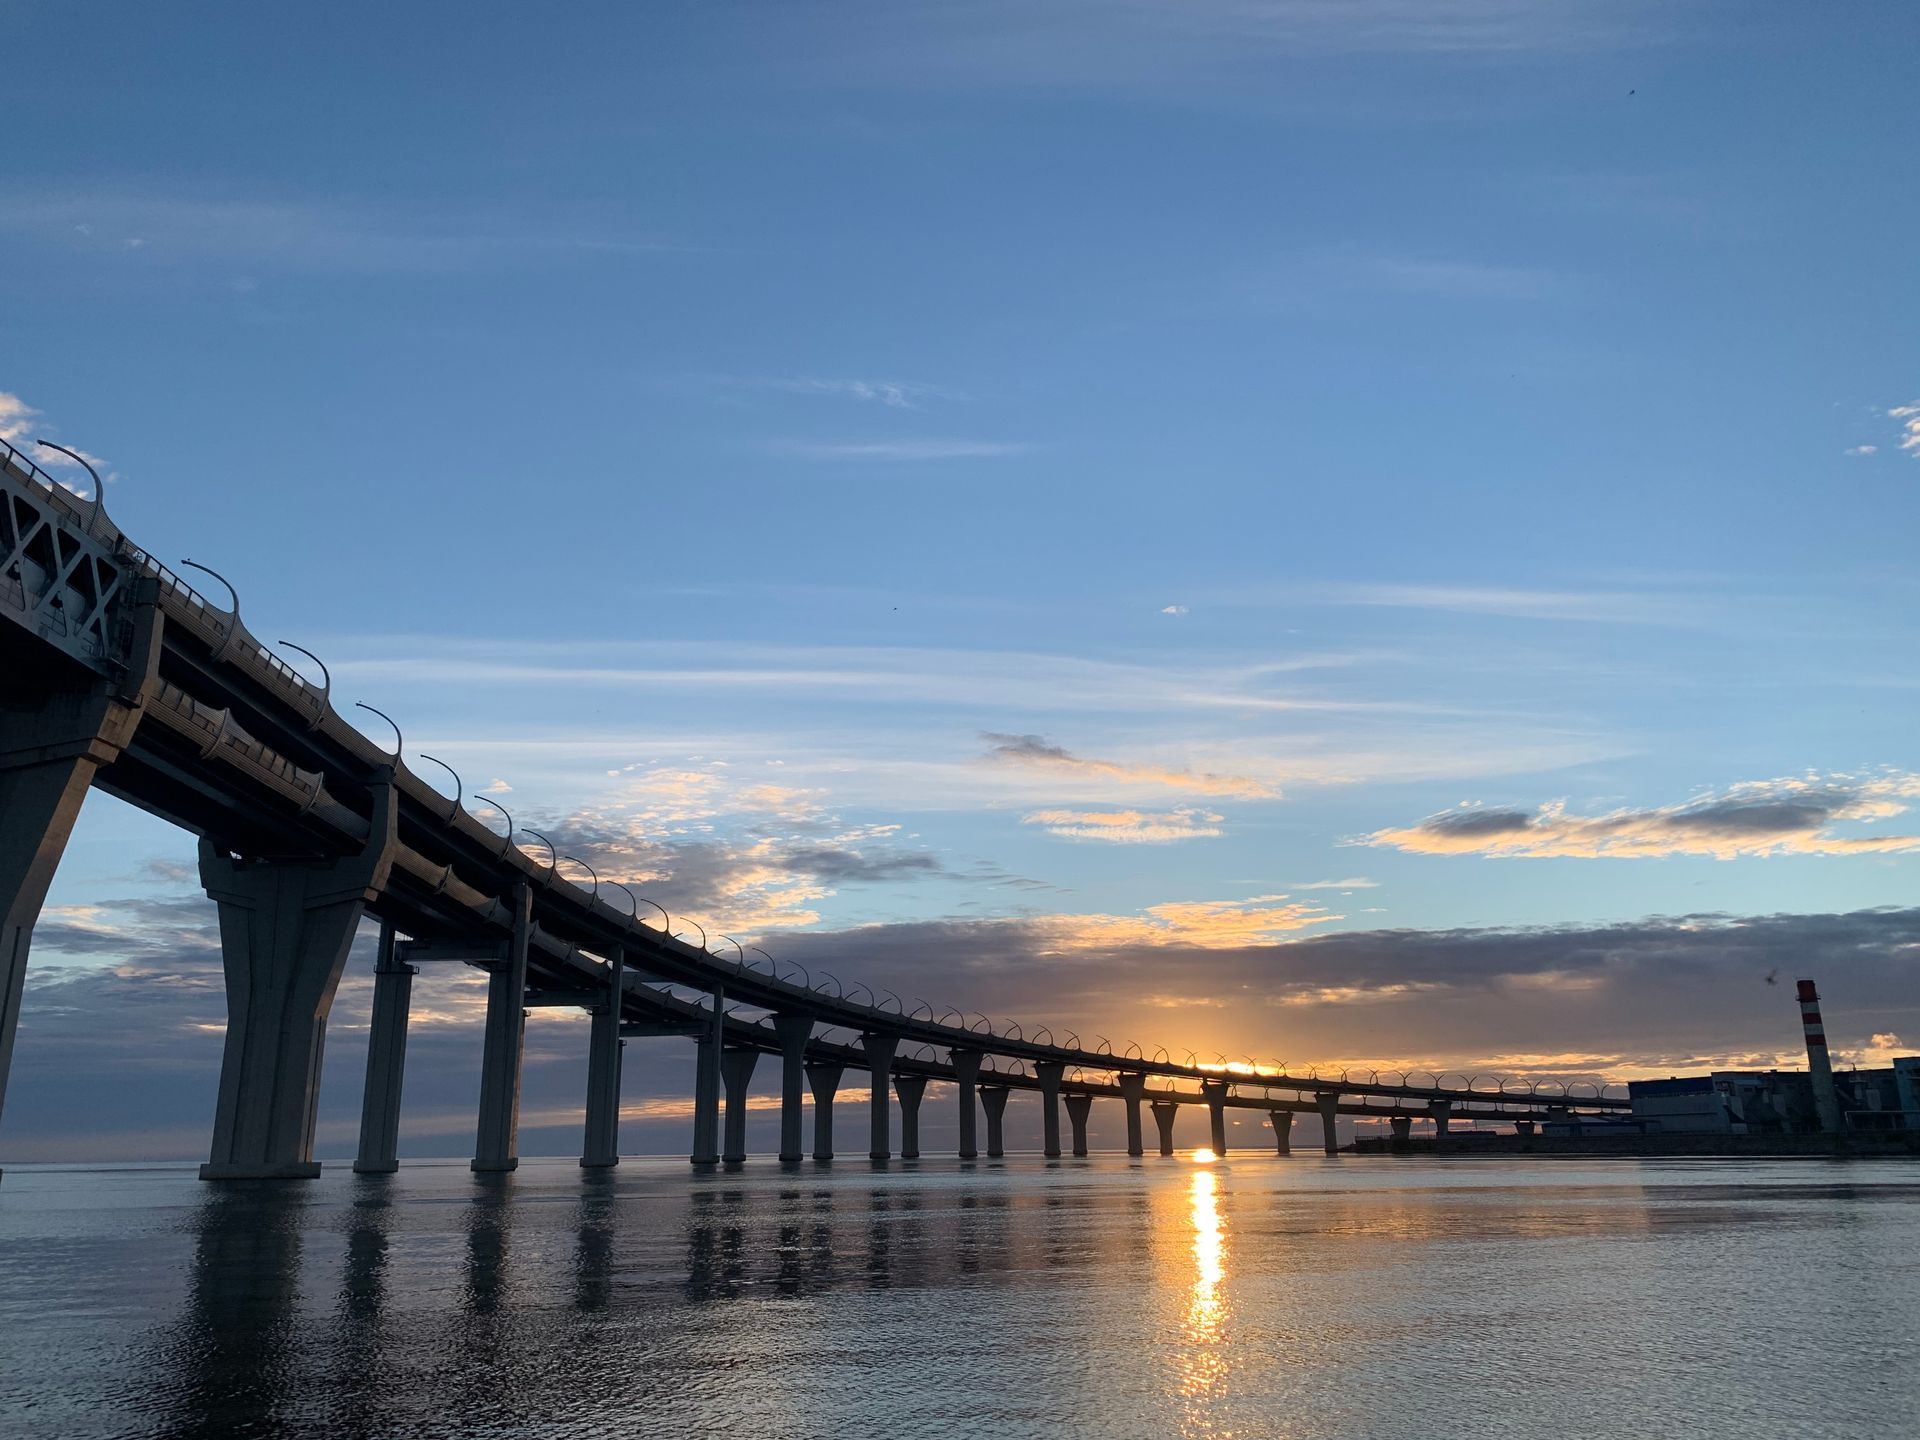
{"type": "Point", "coordinates": [230, 742]}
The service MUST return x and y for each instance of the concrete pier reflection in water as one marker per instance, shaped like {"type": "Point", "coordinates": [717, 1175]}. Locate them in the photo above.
{"type": "Point", "coordinates": [1259, 1297]}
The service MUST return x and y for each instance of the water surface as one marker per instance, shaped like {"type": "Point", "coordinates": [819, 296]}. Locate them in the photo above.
{"type": "Point", "coordinates": [1259, 1297]}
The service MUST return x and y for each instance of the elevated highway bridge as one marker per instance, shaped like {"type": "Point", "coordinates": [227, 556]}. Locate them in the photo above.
{"type": "Point", "coordinates": [117, 674]}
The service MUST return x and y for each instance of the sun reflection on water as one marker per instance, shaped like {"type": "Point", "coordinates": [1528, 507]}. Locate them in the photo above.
{"type": "Point", "coordinates": [1203, 1363]}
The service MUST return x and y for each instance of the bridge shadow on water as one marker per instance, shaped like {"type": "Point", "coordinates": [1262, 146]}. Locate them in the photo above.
{"type": "Point", "coordinates": [378, 1306]}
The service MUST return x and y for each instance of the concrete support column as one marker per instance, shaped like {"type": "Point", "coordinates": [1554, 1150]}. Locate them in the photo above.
{"type": "Point", "coordinates": [601, 1146]}
{"type": "Point", "coordinates": [993, 1100]}
{"type": "Point", "coordinates": [966, 1074]}
{"type": "Point", "coordinates": [1329, 1103]}
{"type": "Point", "coordinates": [1133, 1089]}
{"type": "Point", "coordinates": [1165, 1112]}
{"type": "Point", "coordinates": [1402, 1128]}
{"type": "Point", "coordinates": [51, 745]}
{"type": "Point", "coordinates": [736, 1069]}
{"type": "Point", "coordinates": [1442, 1113]}
{"type": "Point", "coordinates": [498, 1144]}
{"type": "Point", "coordinates": [823, 1076]}
{"type": "Point", "coordinates": [285, 928]}
{"type": "Point", "coordinates": [1215, 1092]}
{"type": "Point", "coordinates": [909, 1088]}
{"type": "Point", "coordinates": [1078, 1104]}
{"type": "Point", "coordinates": [1282, 1130]}
{"type": "Point", "coordinates": [880, 1049]}
{"type": "Point", "coordinates": [706, 1084]}
{"type": "Point", "coordinates": [1049, 1073]}
{"type": "Point", "coordinates": [1523, 1128]}
{"type": "Point", "coordinates": [386, 1061]}
{"type": "Point", "coordinates": [794, 1032]}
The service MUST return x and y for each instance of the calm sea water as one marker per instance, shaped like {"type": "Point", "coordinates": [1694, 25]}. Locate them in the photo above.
{"type": "Point", "coordinates": [1264, 1297]}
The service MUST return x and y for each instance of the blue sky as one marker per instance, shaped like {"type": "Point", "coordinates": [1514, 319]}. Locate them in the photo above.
{"type": "Point", "coordinates": [836, 463]}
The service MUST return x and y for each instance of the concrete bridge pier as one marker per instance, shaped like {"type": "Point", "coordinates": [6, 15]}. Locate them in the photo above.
{"type": "Point", "coordinates": [1282, 1121]}
{"type": "Point", "coordinates": [1165, 1112]}
{"type": "Point", "coordinates": [823, 1078]}
{"type": "Point", "coordinates": [1442, 1113]}
{"type": "Point", "coordinates": [1401, 1127]}
{"type": "Point", "coordinates": [880, 1051]}
{"type": "Point", "coordinates": [285, 928]}
{"type": "Point", "coordinates": [794, 1032]}
{"type": "Point", "coordinates": [1049, 1073]}
{"type": "Point", "coordinates": [1077, 1107]}
{"type": "Point", "coordinates": [48, 757]}
{"type": "Point", "coordinates": [1329, 1103]}
{"type": "Point", "coordinates": [1133, 1089]}
{"type": "Point", "coordinates": [707, 1083]}
{"type": "Point", "coordinates": [966, 1074]}
{"type": "Point", "coordinates": [1523, 1128]}
{"type": "Point", "coordinates": [736, 1069]}
{"type": "Point", "coordinates": [379, 1152]}
{"type": "Point", "coordinates": [1216, 1095]}
{"type": "Point", "coordinates": [993, 1100]}
{"type": "Point", "coordinates": [605, 1049]}
{"type": "Point", "coordinates": [910, 1088]}
{"type": "Point", "coordinates": [498, 1145]}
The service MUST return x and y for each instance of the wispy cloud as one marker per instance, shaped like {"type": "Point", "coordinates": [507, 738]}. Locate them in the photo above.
{"type": "Point", "coordinates": [20, 424]}
{"type": "Point", "coordinates": [1861, 450]}
{"type": "Point", "coordinates": [1134, 827]}
{"type": "Point", "coordinates": [894, 394]}
{"type": "Point", "coordinates": [1357, 882]}
{"type": "Point", "coordinates": [901, 450]}
{"type": "Point", "coordinates": [1036, 750]}
{"type": "Point", "coordinates": [298, 235]}
{"type": "Point", "coordinates": [1456, 279]}
{"type": "Point", "coordinates": [1793, 816]}
{"type": "Point", "coordinates": [1909, 416]}
{"type": "Point", "coordinates": [1599, 606]}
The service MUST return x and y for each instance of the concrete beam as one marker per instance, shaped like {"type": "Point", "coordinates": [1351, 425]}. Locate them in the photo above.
{"type": "Point", "coordinates": [1329, 1103]}
{"type": "Point", "coordinates": [993, 1101]}
{"type": "Point", "coordinates": [51, 746]}
{"type": "Point", "coordinates": [1215, 1094]}
{"type": "Point", "coordinates": [823, 1077]}
{"type": "Point", "coordinates": [650, 1030]}
{"type": "Point", "coordinates": [1133, 1089]}
{"type": "Point", "coordinates": [600, 1144]}
{"type": "Point", "coordinates": [379, 1152]}
{"type": "Point", "coordinates": [736, 1069]}
{"type": "Point", "coordinates": [966, 1074]}
{"type": "Point", "coordinates": [706, 1084]}
{"type": "Point", "coordinates": [910, 1089]}
{"type": "Point", "coordinates": [1165, 1112]}
{"type": "Point", "coordinates": [794, 1032]}
{"type": "Point", "coordinates": [1049, 1072]}
{"type": "Point", "coordinates": [285, 928]}
{"type": "Point", "coordinates": [880, 1051]}
{"type": "Point", "coordinates": [1282, 1121]}
{"type": "Point", "coordinates": [454, 952]}
{"type": "Point", "coordinates": [497, 1142]}
{"type": "Point", "coordinates": [1078, 1105]}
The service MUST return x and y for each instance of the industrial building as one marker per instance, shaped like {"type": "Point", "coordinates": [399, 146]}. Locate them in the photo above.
{"type": "Point", "coordinates": [1783, 1102]}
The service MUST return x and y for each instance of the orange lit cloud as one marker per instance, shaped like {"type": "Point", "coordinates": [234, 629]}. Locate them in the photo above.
{"type": "Point", "coordinates": [1793, 816]}
{"type": "Point", "coordinates": [1204, 924]}
{"type": "Point", "coordinates": [1127, 826]}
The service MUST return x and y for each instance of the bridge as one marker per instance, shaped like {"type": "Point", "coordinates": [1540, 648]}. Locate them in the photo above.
{"type": "Point", "coordinates": [117, 674]}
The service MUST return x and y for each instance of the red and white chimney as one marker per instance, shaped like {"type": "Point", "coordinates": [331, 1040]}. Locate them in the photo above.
{"type": "Point", "coordinates": [1825, 1102]}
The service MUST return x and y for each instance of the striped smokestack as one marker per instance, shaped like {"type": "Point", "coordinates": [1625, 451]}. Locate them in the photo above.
{"type": "Point", "coordinates": [1825, 1102]}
